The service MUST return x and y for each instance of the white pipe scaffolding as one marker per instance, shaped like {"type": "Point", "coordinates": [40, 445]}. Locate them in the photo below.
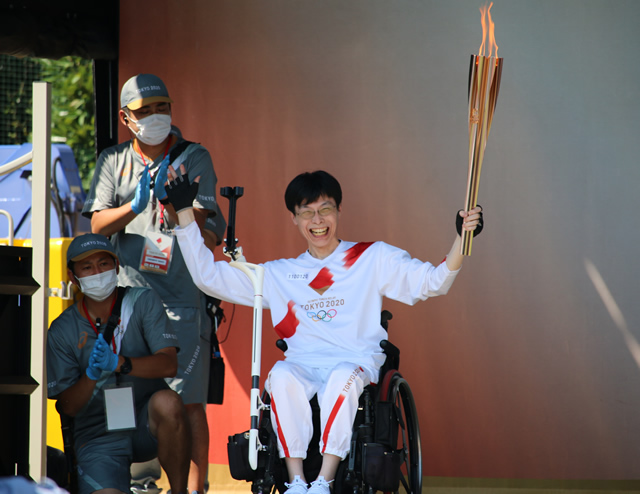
{"type": "Point", "coordinates": [16, 163]}
{"type": "Point", "coordinates": [10, 224]}
{"type": "Point", "coordinates": [40, 200]}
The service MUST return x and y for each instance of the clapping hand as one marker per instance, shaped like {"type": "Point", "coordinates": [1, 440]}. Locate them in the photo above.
{"type": "Point", "coordinates": [102, 358]}
{"type": "Point", "coordinates": [143, 193]}
{"type": "Point", "coordinates": [180, 191]}
{"type": "Point", "coordinates": [160, 179]}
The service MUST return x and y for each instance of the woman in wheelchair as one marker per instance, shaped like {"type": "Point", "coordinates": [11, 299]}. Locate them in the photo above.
{"type": "Point", "coordinates": [326, 305]}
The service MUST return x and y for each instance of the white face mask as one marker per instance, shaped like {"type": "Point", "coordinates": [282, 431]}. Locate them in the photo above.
{"type": "Point", "coordinates": [99, 286]}
{"type": "Point", "coordinates": [154, 129]}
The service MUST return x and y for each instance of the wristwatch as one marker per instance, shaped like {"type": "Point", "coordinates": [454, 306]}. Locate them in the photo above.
{"type": "Point", "coordinates": [125, 368]}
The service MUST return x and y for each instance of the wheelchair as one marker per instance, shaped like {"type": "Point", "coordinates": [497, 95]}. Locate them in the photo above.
{"type": "Point", "coordinates": [385, 453]}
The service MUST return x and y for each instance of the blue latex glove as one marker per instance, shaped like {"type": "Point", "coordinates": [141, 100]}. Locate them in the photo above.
{"type": "Point", "coordinates": [143, 193]}
{"type": "Point", "coordinates": [102, 357]}
{"type": "Point", "coordinates": [93, 372]}
{"type": "Point", "coordinates": [161, 178]}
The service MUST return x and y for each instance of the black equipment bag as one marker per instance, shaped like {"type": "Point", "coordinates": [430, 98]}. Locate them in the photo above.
{"type": "Point", "coordinates": [382, 467]}
{"type": "Point", "coordinates": [238, 452]}
{"type": "Point", "coordinates": [215, 395]}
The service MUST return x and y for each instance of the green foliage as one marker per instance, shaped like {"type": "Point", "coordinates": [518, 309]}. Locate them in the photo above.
{"type": "Point", "coordinates": [16, 76]}
{"type": "Point", "coordinates": [72, 110]}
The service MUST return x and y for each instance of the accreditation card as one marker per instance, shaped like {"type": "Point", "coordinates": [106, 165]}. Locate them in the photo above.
{"type": "Point", "coordinates": [119, 407]}
{"type": "Point", "coordinates": [156, 253]}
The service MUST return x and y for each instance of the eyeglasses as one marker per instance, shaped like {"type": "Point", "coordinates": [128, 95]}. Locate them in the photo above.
{"type": "Point", "coordinates": [310, 213]}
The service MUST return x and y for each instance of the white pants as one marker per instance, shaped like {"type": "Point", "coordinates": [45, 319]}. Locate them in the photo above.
{"type": "Point", "coordinates": [291, 386]}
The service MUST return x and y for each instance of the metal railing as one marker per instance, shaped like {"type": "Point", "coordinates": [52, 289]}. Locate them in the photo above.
{"type": "Point", "coordinates": [16, 163]}
{"type": "Point", "coordinates": [10, 223]}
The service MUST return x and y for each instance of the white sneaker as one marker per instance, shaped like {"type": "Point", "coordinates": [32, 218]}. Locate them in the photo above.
{"type": "Point", "coordinates": [320, 486]}
{"type": "Point", "coordinates": [298, 486]}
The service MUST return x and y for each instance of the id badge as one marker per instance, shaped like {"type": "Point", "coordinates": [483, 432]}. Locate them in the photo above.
{"type": "Point", "coordinates": [119, 408]}
{"type": "Point", "coordinates": [156, 253]}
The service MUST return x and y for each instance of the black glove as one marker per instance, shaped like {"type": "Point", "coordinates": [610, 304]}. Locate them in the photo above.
{"type": "Point", "coordinates": [181, 193]}
{"type": "Point", "coordinates": [460, 219]}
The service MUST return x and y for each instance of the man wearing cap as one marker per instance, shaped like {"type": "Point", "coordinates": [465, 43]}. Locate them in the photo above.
{"type": "Point", "coordinates": [127, 202]}
{"type": "Point", "coordinates": [109, 375]}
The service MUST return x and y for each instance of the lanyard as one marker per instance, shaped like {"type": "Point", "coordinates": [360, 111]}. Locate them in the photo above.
{"type": "Point", "coordinates": [145, 164]}
{"type": "Point", "coordinates": [142, 155]}
{"type": "Point", "coordinates": [86, 311]}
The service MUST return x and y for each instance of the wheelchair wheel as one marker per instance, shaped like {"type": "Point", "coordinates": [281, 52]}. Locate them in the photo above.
{"type": "Point", "coordinates": [396, 391]}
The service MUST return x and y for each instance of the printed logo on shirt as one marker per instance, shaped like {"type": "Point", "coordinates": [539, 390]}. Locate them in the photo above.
{"type": "Point", "coordinates": [323, 310]}
{"type": "Point", "coordinates": [118, 333]}
{"type": "Point", "coordinates": [126, 170]}
{"type": "Point", "coordinates": [298, 276]}
{"type": "Point", "coordinates": [83, 339]}
{"type": "Point", "coordinates": [202, 198]}
{"type": "Point", "coordinates": [322, 282]}
{"type": "Point", "coordinates": [322, 315]}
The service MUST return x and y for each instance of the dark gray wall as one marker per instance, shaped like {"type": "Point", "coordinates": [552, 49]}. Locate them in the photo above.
{"type": "Point", "coordinates": [529, 368]}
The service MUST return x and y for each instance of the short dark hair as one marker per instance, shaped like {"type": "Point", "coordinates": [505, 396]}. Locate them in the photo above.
{"type": "Point", "coordinates": [309, 187]}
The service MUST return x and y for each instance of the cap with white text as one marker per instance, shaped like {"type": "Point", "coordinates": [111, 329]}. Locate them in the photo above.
{"type": "Point", "coordinates": [85, 245]}
{"type": "Point", "coordinates": [143, 89]}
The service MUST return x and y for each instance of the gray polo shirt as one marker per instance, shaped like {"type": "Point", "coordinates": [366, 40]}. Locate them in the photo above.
{"type": "Point", "coordinates": [70, 341]}
{"type": "Point", "coordinates": [118, 171]}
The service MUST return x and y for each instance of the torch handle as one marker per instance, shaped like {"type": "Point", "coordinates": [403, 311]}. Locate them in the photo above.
{"type": "Point", "coordinates": [484, 84]}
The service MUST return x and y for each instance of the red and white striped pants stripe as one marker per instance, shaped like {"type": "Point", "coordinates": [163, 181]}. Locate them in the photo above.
{"type": "Point", "coordinates": [291, 386]}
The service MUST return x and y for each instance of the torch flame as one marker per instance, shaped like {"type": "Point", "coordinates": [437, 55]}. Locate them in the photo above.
{"type": "Point", "coordinates": [488, 23]}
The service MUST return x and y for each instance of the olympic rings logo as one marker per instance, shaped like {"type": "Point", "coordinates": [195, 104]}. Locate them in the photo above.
{"type": "Point", "coordinates": [323, 315]}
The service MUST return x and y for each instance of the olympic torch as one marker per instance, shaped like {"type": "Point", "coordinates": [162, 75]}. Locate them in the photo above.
{"type": "Point", "coordinates": [485, 73]}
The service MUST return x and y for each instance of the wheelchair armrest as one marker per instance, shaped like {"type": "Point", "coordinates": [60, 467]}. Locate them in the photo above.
{"type": "Point", "coordinates": [393, 355]}
{"type": "Point", "coordinates": [385, 317]}
{"type": "Point", "coordinates": [389, 349]}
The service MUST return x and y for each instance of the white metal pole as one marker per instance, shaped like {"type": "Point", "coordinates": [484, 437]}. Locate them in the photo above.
{"type": "Point", "coordinates": [40, 219]}
{"type": "Point", "coordinates": [255, 272]}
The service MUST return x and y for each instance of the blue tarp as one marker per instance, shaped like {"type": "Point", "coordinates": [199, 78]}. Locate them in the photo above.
{"type": "Point", "coordinates": [67, 193]}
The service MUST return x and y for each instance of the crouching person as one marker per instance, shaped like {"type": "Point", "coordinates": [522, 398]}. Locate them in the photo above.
{"type": "Point", "coordinates": [109, 375]}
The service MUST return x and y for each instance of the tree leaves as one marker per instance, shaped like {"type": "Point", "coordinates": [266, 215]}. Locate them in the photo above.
{"type": "Point", "coordinates": [72, 110]}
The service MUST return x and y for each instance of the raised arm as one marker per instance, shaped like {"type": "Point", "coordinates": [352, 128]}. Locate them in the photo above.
{"type": "Point", "coordinates": [111, 220]}
{"type": "Point", "coordinates": [200, 217]}
{"type": "Point", "coordinates": [217, 279]}
{"type": "Point", "coordinates": [181, 195]}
